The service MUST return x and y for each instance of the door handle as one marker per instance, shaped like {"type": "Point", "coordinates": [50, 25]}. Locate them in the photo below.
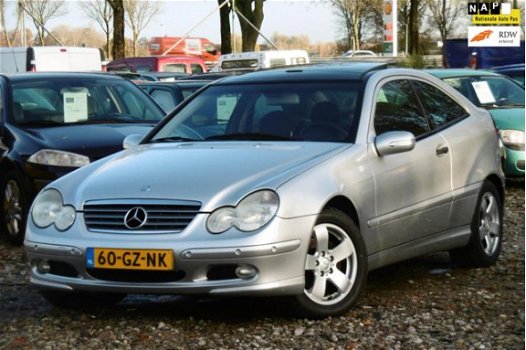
{"type": "Point", "coordinates": [441, 149]}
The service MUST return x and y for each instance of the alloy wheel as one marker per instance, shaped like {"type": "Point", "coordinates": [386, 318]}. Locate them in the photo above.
{"type": "Point", "coordinates": [331, 265]}
{"type": "Point", "coordinates": [12, 208]}
{"type": "Point", "coordinates": [489, 223]}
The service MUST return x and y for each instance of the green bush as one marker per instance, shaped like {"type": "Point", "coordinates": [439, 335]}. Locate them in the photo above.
{"type": "Point", "coordinates": [413, 61]}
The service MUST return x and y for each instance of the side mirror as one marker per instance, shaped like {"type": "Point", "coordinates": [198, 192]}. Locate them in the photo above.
{"type": "Point", "coordinates": [392, 142]}
{"type": "Point", "coordinates": [132, 140]}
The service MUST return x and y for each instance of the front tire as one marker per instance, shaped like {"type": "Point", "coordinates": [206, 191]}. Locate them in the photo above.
{"type": "Point", "coordinates": [485, 243]}
{"type": "Point", "coordinates": [335, 267]}
{"type": "Point", "coordinates": [14, 208]}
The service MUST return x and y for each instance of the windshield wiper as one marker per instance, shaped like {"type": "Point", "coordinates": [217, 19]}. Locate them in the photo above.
{"type": "Point", "coordinates": [172, 139]}
{"type": "Point", "coordinates": [249, 137]}
{"type": "Point", "coordinates": [502, 106]}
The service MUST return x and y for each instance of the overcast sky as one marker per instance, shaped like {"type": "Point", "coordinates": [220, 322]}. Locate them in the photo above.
{"type": "Point", "coordinates": [291, 17]}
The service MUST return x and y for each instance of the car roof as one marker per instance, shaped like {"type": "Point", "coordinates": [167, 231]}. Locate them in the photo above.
{"type": "Point", "coordinates": [28, 76]}
{"type": "Point", "coordinates": [517, 66]}
{"type": "Point", "coordinates": [453, 73]}
{"type": "Point", "coordinates": [190, 83]}
{"type": "Point", "coordinates": [321, 71]}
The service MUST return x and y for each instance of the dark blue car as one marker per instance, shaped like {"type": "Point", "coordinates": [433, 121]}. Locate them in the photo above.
{"type": "Point", "coordinates": [514, 71]}
{"type": "Point", "coordinates": [54, 123]}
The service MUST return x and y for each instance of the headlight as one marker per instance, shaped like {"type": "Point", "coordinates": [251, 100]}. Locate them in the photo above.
{"type": "Point", "coordinates": [252, 213]}
{"type": "Point", "coordinates": [513, 139]}
{"type": "Point", "coordinates": [49, 209]}
{"type": "Point", "coordinates": [58, 158]}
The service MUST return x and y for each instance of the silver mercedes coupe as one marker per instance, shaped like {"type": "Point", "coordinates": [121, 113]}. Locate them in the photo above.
{"type": "Point", "coordinates": [290, 182]}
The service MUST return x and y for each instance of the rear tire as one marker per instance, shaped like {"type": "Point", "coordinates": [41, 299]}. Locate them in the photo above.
{"type": "Point", "coordinates": [335, 267]}
{"type": "Point", "coordinates": [485, 243]}
{"type": "Point", "coordinates": [86, 301]}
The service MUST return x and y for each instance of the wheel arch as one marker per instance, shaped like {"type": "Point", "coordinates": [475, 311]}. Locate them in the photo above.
{"type": "Point", "coordinates": [498, 183]}
{"type": "Point", "coordinates": [345, 205]}
{"type": "Point", "coordinates": [6, 166]}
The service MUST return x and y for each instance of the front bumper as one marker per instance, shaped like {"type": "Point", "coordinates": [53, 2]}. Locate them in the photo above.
{"type": "Point", "coordinates": [208, 267]}
{"type": "Point", "coordinates": [514, 163]}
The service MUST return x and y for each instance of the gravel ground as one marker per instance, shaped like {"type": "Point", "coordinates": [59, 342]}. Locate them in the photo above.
{"type": "Point", "coordinates": [423, 303]}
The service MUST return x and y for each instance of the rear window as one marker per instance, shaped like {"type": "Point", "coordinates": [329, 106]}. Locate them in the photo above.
{"type": "Point", "coordinates": [240, 64]}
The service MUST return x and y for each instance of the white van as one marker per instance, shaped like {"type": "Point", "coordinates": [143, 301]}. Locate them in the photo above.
{"type": "Point", "coordinates": [49, 58]}
{"type": "Point", "coordinates": [261, 59]}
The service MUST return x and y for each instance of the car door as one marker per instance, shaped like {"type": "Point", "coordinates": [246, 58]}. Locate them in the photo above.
{"type": "Point", "coordinates": [413, 188]}
{"type": "Point", "coordinates": [463, 135]}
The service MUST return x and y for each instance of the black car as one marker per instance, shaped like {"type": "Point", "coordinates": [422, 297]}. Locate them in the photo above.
{"type": "Point", "coordinates": [54, 123]}
{"type": "Point", "coordinates": [170, 94]}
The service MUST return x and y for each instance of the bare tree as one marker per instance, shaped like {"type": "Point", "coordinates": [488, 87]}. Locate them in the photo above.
{"type": "Point", "coordinates": [224, 20]}
{"type": "Point", "coordinates": [138, 14]}
{"type": "Point", "coordinates": [285, 42]}
{"type": "Point", "coordinates": [78, 36]}
{"type": "Point", "coordinates": [250, 14]}
{"type": "Point", "coordinates": [444, 14]}
{"type": "Point", "coordinates": [350, 13]}
{"type": "Point", "coordinates": [3, 23]}
{"type": "Point", "coordinates": [41, 12]}
{"type": "Point", "coordinates": [119, 45]}
{"type": "Point", "coordinates": [416, 14]}
{"type": "Point", "coordinates": [100, 11]}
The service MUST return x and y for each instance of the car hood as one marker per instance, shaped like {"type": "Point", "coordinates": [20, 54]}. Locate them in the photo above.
{"type": "Point", "coordinates": [95, 140]}
{"type": "Point", "coordinates": [212, 173]}
{"type": "Point", "coordinates": [509, 118]}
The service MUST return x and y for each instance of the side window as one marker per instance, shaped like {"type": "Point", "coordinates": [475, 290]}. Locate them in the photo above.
{"type": "Point", "coordinates": [276, 62]}
{"type": "Point", "coordinates": [163, 98]}
{"type": "Point", "coordinates": [440, 108]}
{"type": "Point", "coordinates": [196, 68]}
{"type": "Point", "coordinates": [174, 67]}
{"type": "Point", "coordinates": [397, 109]}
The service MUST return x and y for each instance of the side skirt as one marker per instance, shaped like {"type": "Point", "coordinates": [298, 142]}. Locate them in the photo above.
{"type": "Point", "coordinates": [442, 241]}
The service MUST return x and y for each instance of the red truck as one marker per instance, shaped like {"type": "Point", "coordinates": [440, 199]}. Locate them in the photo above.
{"type": "Point", "coordinates": [171, 45]}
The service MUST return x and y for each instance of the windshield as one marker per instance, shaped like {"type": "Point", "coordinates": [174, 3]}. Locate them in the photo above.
{"type": "Point", "coordinates": [489, 91]}
{"type": "Point", "coordinates": [292, 111]}
{"type": "Point", "coordinates": [66, 100]}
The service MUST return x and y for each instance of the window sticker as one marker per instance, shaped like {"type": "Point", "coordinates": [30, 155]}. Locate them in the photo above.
{"type": "Point", "coordinates": [225, 106]}
{"type": "Point", "coordinates": [75, 106]}
{"type": "Point", "coordinates": [483, 92]}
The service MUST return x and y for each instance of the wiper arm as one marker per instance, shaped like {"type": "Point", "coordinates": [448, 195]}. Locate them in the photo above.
{"type": "Point", "coordinates": [172, 139]}
{"type": "Point", "coordinates": [249, 136]}
{"type": "Point", "coordinates": [513, 105]}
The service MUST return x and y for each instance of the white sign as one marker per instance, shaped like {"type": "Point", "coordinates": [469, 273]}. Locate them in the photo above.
{"type": "Point", "coordinates": [494, 36]}
{"type": "Point", "coordinates": [75, 106]}
{"type": "Point", "coordinates": [193, 46]}
{"type": "Point", "coordinates": [483, 92]}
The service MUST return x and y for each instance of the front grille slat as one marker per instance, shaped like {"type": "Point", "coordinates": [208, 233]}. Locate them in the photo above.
{"type": "Point", "coordinates": [161, 218]}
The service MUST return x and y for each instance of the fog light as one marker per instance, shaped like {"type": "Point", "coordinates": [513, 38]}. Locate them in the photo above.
{"type": "Point", "coordinates": [43, 266]}
{"type": "Point", "coordinates": [245, 271]}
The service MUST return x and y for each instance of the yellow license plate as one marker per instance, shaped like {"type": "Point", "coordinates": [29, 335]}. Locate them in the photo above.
{"type": "Point", "coordinates": [130, 259]}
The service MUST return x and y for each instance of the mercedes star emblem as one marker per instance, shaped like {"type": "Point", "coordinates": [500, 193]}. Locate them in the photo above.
{"type": "Point", "coordinates": [135, 218]}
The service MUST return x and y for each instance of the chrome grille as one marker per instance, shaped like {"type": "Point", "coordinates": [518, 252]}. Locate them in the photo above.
{"type": "Point", "coordinates": [162, 217]}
